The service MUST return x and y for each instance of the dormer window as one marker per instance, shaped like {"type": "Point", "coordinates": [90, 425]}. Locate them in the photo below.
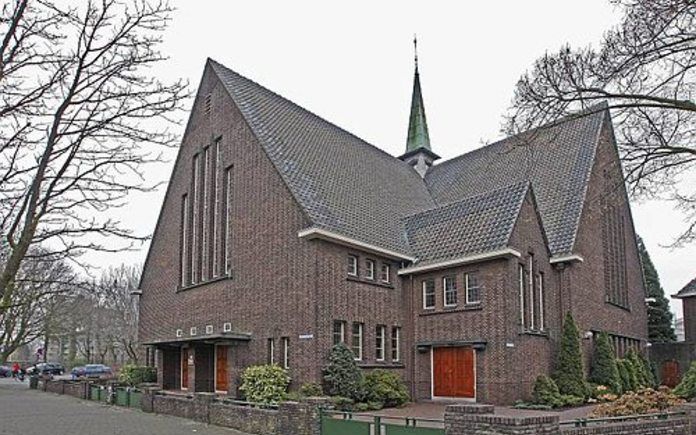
{"type": "Point", "coordinates": [385, 274]}
{"type": "Point", "coordinates": [370, 269]}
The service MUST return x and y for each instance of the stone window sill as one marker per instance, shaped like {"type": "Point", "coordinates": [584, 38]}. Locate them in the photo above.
{"type": "Point", "coordinates": [533, 333]}
{"type": "Point", "coordinates": [458, 309]}
{"type": "Point", "coordinates": [381, 365]}
{"type": "Point", "coordinates": [623, 307]}
{"type": "Point", "coordinates": [201, 284]}
{"type": "Point", "coordinates": [373, 282]}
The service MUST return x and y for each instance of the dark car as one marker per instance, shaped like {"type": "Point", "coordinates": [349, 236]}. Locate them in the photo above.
{"type": "Point", "coordinates": [97, 371]}
{"type": "Point", "coordinates": [77, 372]}
{"type": "Point", "coordinates": [46, 369]}
{"type": "Point", "coordinates": [5, 371]}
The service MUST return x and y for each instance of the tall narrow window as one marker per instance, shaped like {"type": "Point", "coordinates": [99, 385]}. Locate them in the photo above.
{"type": "Point", "coordinates": [358, 341]}
{"type": "Point", "coordinates": [540, 283]}
{"type": "Point", "coordinates": [380, 342]}
{"type": "Point", "coordinates": [227, 221]}
{"type": "Point", "coordinates": [271, 351]}
{"type": "Point", "coordinates": [286, 352]}
{"type": "Point", "coordinates": [523, 308]}
{"type": "Point", "coordinates": [473, 288]}
{"type": "Point", "coordinates": [194, 222]}
{"type": "Point", "coordinates": [396, 344]}
{"type": "Point", "coordinates": [339, 332]}
{"type": "Point", "coordinates": [449, 286]}
{"type": "Point", "coordinates": [352, 265]}
{"type": "Point", "coordinates": [215, 215]}
{"type": "Point", "coordinates": [385, 273]}
{"type": "Point", "coordinates": [530, 288]}
{"type": "Point", "coordinates": [205, 229]}
{"type": "Point", "coordinates": [428, 294]}
{"type": "Point", "coordinates": [184, 240]}
{"type": "Point", "coordinates": [370, 269]}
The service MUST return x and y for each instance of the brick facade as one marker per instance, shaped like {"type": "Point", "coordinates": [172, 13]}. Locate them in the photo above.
{"type": "Point", "coordinates": [284, 286]}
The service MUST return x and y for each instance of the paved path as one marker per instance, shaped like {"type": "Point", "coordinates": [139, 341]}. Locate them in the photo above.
{"type": "Point", "coordinates": [29, 412]}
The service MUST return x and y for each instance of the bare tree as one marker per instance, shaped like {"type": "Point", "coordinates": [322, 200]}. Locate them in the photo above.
{"type": "Point", "coordinates": [116, 293]}
{"type": "Point", "coordinates": [80, 116]}
{"type": "Point", "coordinates": [644, 69]}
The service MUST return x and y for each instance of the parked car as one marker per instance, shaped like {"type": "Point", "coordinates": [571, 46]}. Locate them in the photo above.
{"type": "Point", "coordinates": [5, 372]}
{"type": "Point", "coordinates": [97, 371]}
{"type": "Point", "coordinates": [77, 372]}
{"type": "Point", "coordinates": [45, 369]}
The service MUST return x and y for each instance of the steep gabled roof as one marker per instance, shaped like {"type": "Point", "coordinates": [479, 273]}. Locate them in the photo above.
{"type": "Point", "coordinates": [348, 187]}
{"type": "Point", "coordinates": [689, 290]}
{"type": "Point", "coordinates": [474, 225]}
{"type": "Point", "coordinates": [344, 184]}
{"type": "Point", "coordinates": [557, 160]}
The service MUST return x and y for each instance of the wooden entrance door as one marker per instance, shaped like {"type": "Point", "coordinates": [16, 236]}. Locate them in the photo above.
{"type": "Point", "coordinates": [453, 372]}
{"type": "Point", "coordinates": [221, 368]}
{"type": "Point", "coordinates": [670, 374]}
{"type": "Point", "coordinates": [184, 368]}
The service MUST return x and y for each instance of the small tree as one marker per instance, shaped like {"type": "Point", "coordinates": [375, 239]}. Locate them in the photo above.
{"type": "Point", "coordinates": [603, 370]}
{"type": "Point", "coordinates": [342, 376]}
{"type": "Point", "coordinates": [660, 327]}
{"type": "Point", "coordinates": [687, 387]}
{"type": "Point", "coordinates": [569, 375]}
{"type": "Point", "coordinates": [624, 376]}
{"type": "Point", "coordinates": [546, 392]}
{"type": "Point", "coordinates": [642, 369]}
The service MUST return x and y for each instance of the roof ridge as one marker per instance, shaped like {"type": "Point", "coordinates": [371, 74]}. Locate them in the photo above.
{"type": "Point", "coordinates": [592, 110]}
{"type": "Point", "coordinates": [334, 125]}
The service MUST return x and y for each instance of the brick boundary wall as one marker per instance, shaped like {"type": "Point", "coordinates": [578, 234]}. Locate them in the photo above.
{"type": "Point", "coordinates": [303, 418]}
{"type": "Point", "coordinates": [480, 420]}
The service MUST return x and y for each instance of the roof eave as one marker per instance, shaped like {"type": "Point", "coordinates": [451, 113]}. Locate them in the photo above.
{"type": "Point", "coordinates": [570, 258]}
{"type": "Point", "coordinates": [476, 258]}
{"type": "Point", "coordinates": [322, 234]}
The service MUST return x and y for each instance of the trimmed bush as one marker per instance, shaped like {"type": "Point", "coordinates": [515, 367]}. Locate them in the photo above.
{"type": "Point", "coordinates": [384, 387]}
{"type": "Point", "coordinates": [134, 375]}
{"type": "Point", "coordinates": [603, 370]}
{"type": "Point", "coordinates": [687, 386]}
{"type": "Point", "coordinates": [546, 392]}
{"type": "Point", "coordinates": [311, 390]}
{"type": "Point", "coordinates": [644, 401]}
{"type": "Point", "coordinates": [342, 376]}
{"type": "Point", "coordinates": [568, 375]}
{"type": "Point", "coordinates": [265, 384]}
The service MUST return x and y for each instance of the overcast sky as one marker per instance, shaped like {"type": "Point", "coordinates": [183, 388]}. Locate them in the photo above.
{"type": "Point", "coordinates": [353, 65]}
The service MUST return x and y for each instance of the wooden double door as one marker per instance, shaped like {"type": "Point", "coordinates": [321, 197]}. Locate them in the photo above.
{"type": "Point", "coordinates": [221, 369]}
{"type": "Point", "coordinates": [454, 372]}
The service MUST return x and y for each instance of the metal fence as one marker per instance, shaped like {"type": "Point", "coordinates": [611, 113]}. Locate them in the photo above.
{"type": "Point", "coordinates": [346, 423]}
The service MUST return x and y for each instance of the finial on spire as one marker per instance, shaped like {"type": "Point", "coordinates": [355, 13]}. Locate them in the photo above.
{"type": "Point", "coordinates": [415, 49]}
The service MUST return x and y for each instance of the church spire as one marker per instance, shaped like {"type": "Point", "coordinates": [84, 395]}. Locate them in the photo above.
{"type": "Point", "coordinates": [417, 126]}
{"type": "Point", "coordinates": [418, 152]}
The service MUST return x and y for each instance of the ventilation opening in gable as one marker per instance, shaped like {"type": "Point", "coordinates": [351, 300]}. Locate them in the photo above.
{"type": "Point", "coordinates": [207, 104]}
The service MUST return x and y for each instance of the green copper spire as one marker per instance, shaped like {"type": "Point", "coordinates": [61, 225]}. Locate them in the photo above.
{"type": "Point", "coordinates": [417, 126]}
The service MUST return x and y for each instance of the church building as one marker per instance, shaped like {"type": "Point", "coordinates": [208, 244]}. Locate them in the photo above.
{"type": "Point", "coordinates": [281, 234]}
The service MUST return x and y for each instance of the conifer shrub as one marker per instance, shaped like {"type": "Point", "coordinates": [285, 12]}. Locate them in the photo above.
{"type": "Point", "coordinates": [624, 376]}
{"type": "Point", "coordinates": [266, 384]}
{"type": "Point", "coordinates": [546, 392]}
{"type": "Point", "coordinates": [687, 387]}
{"type": "Point", "coordinates": [603, 370]}
{"type": "Point", "coordinates": [310, 390]}
{"type": "Point", "coordinates": [342, 376]}
{"type": "Point", "coordinates": [568, 375]}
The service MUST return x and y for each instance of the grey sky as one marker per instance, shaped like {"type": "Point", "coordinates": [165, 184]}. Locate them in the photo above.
{"type": "Point", "coordinates": [352, 63]}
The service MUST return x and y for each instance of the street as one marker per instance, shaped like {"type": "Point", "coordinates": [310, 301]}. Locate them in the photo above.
{"type": "Point", "coordinates": [29, 412]}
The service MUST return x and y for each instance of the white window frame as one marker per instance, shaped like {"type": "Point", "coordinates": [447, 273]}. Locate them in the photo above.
{"type": "Point", "coordinates": [205, 222]}
{"type": "Point", "coordinates": [343, 331]}
{"type": "Point", "coordinates": [385, 278]}
{"type": "Point", "coordinates": [216, 210]}
{"type": "Point", "coordinates": [227, 327]}
{"type": "Point", "coordinates": [381, 343]}
{"type": "Point", "coordinates": [227, 220]}
{"type": "Point", "coordinates": [424, 285]}
{"type": "Point", "coordinates": [359, 355]}
{"type": "Point", "coordinates": [286, 352]}
{"type": "Point", "coordinates": [467, 287]}
{"type": "Point", "coordinates": [352, 265]}
{"type": "Point", "coordinates": [444, 291]}
{"type": "Point", "coordinates": [370, 269]}
{"type": "Point", "coordinates": [396, 343]}
{"type": "Point", "coordinates": [271, 351]}
{"type": "Point", "coordinates": [209, 329]}
{"type": "Point", "coordinates": [193, 331]}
